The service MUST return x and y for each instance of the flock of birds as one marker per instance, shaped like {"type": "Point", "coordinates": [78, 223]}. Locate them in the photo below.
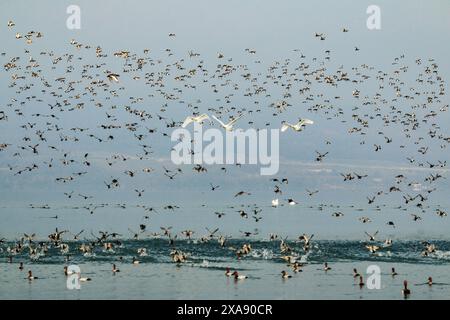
{"type": "Point", "coordinates": [109, 242]}
{"type": "Point", "coordinates": [86, 80]}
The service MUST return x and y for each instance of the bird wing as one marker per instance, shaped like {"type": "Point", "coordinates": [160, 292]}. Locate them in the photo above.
{"type": "Point", "coordinates": [202, 117]}
{"type": "Point", "coordinates": [187, 121]}
{"type": "Point", "coordinates": [305, 121]}
{"type": "Point", "coordinates": [212, 232]}
{"type": "Point", "coordinates": [221, 123]}
{"type": "Point", "coordinates": [286, 126]}
{"type": "Point", "coordinates": [233, 121]}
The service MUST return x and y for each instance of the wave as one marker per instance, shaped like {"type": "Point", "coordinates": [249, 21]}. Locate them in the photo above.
{"type": "Point", "coordinates": [208, 254]}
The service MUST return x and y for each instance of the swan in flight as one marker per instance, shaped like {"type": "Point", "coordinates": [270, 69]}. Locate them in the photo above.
{"type": "Point", "coordinates": [297, 127]}
{"type": "Point", "coordinates": [198, 119]}
{"type": "Point", "coordinates": [229, 125]}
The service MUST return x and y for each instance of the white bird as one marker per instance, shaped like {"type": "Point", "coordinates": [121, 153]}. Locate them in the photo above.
{"type": "Point", "coordinates": [229, 125]}
{"type": "Point", "coordinates": [297, 127]}
{"type": "Point", "coordinates": [198, 119]}
{"type": "Point", "coordinates": [275, 203]}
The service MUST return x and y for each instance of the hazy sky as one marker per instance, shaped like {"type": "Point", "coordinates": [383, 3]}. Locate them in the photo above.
{"type": "Point", "coordinates": [416, 29]}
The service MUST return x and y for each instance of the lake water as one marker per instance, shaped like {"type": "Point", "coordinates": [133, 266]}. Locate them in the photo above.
{"type": "Point", "coordinates": [203, 275]}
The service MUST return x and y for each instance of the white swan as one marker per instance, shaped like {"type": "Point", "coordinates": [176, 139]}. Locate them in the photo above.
{"type": "Point", "coordinates": [198, 119]}
{"type": "Point", "coordinates": [297, 127]}
{"type": "Point", "coordinates": [229, 125]}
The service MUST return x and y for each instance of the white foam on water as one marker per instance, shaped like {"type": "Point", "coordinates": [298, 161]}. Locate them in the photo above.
{"type": "Point", "coordinates": [444, 255]}
{"type": "Point", "coordinates": [205, 264]}
{"type": "Point", "coordinates": [265, 254]}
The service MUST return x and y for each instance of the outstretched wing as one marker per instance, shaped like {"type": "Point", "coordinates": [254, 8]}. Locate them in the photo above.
{"type": "Point", "coordinates": [304, 122]}
{"type": "Point", "coordinates": [286, 126]}
{"type": "Point", "coordinates": [202, 117]}
{"type": "Point", "coordinates": [234, 120]}
{"type": "Point", "coordinates": [187, 121]}
{"type": "Point", "coordinates": [212, 232]}
{"type": "Point", "coordinates": [221, 123]}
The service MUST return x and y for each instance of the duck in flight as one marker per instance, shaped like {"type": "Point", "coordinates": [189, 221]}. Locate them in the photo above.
{"type": "Point", "coordinates": [372, 236]}
{"type": "Point", "coordinates": [113, 77]}
{"type": "Point", "coordinates": [372, 248]}
{"type": "Point", "coordinates": [311, 193]}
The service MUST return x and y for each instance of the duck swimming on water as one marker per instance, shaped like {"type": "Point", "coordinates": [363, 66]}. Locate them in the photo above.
{"type": "Point", "coordinates": [238, 276]}
{"type": "Point", "coordinates": [30, 276]}
{"type": "Point", "coordinates": [406, 292]}
{"type": "Point", "coordinates": [393, 272]}
{"type": "Point", "coordinates": [361, 282]}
